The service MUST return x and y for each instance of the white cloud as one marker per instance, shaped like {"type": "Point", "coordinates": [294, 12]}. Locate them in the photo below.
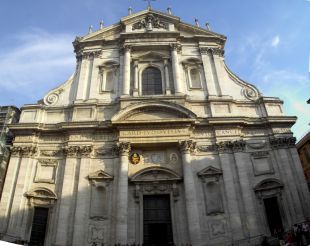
{"type": "Point", "coordinates": [38, 62]}
{"type": "Point", "coordinates": [275, 41]}
{"type": "Point", "coordinates": [293, 89]}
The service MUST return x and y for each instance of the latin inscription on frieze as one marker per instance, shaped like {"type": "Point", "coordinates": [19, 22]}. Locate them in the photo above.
{"type": "Point", "coordinates": [228, 132]}
{"type": "Point", "coordinates": [154, 132]}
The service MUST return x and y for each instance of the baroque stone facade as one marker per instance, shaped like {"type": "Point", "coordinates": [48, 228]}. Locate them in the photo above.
{"type": "Point", "coordinates": [152, 135]}
{"type": "Point", "coordinates": [8, 115]}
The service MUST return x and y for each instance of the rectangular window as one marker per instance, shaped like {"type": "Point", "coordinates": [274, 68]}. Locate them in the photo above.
{"type": "Point", "coordinates": [39, 225]}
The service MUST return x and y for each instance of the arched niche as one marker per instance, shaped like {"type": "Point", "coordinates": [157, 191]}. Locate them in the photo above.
{"type": "Point", "coordinates": [41, 196]}
{"type": "Point", "coordinates": [100, 192]}
{"type": "Point", "coordinates": [212, 186]}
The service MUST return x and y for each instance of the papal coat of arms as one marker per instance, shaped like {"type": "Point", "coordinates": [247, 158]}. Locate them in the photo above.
{"type": "Point", "coordinates": [134, 158]}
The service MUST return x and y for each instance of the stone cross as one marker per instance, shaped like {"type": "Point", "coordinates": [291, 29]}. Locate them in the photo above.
{"type": "Point", "coordinates": [149, 3]}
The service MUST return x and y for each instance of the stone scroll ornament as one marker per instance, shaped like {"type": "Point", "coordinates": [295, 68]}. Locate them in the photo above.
{"type": "Point", "coordinates": [249, 93]}
{"type": "Point", "coordinates": [149, 22]}
{"type": "Point", "coordinates": [53, 97]}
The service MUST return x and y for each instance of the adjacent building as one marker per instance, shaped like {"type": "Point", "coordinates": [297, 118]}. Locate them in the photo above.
{"type": "Point", "coordinates": [8, 115]}
{"type": "Point", "coordinates": [303, 148]}
{"type": "Point", "coordinates": [153, 141]}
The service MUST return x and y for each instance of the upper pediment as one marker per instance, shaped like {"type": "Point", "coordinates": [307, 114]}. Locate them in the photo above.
{"type": "Point", "coordinates": [149, 21]}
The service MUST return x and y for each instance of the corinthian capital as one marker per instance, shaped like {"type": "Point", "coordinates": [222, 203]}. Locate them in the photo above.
{"type": "Point", "coordinates": [176, 46]}
{"type": "Point", "coordinates": [123, 147]}
{"type": "Point", "coordinates": [187, 146]}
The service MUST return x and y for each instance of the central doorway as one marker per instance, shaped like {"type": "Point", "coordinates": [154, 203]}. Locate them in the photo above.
{"type": "Point", "coordinates": [273, 215]}
{"type": "Point", "coordinates": [157, 225]}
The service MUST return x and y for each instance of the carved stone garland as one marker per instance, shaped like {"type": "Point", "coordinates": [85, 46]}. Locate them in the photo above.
{"type": "Point", "coordinates": [78, 151]}
{"type": "Point", "coordinates": [26, 151]}
{"type": "Point", "coordinates": [282, 142]}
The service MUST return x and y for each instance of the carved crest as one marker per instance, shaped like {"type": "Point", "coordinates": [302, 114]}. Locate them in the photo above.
{"type": "Point", "coordinates": [149, 22]}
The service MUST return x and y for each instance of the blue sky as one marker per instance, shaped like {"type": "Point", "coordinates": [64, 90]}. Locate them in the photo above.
{"type": "Point", "coordinates": [268, 43]}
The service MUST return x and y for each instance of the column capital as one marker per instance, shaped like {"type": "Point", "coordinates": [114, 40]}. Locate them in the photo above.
{"type": "Point", "coordinates": [187, 146]}
{"type": "Point", "coordinates": [123, 148]}
{"type": "Point", "coordinates": [176, 47]}
{"type": "Point", "coordinates": [211, 51]}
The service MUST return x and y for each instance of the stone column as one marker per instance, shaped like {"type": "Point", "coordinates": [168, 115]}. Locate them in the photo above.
{"type": "Point", "coordinates": [190, 193]}
{"type": "Point", "coordinates": [176, 69]}
{"type": "Point", "coordinates": [136, 80]}
{"type": "Point", "coordinates": [168, 90]}
{"type": "Point", "coordinates": [126, 70]}
{"type": "Point", "coordinates": [122, 195]}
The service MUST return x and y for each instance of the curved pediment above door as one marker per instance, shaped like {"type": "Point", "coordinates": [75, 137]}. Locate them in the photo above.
{"type": "Point", "coordinates": [155, 174]}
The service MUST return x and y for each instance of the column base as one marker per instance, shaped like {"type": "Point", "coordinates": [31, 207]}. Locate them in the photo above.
{"type": "Point", "coordinates": [135, 92]}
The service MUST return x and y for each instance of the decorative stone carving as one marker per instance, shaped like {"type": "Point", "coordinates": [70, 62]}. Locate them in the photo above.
{"type": "Point", "coordinates": [46, 171]}
{"type": "Point", "coordinates": [217, 228]}
{"type": "Point", "coordinates": [259, 154]}
{"type": "Point", "coordinates": [210, 51]}
{"type": "Point", "coordinates": [96, 235]}
{"type": "Point", "coordinates": [249, 93]}
{"type": "Point", "coordinates": [231, 146]}
{"type": "Point", "coordinates": [50, 153]}
{"type": "Point", "coordinates": [149, 22]}
{"type": "Point", "coordinates": [78, 151]}
{"type": "Point", "coordinates": [123, 147]}
{"type": "Point", "coordinates": [282, 142]}
{"type": "Point", "coordinates": [52, 98]}
{"type": "Point", "coordinates": [26, 151]}
{"type": "Point", "coordinates": [104, 151]}
{"type": "Point", "coordinates": [177, 47]}
{"type": "Point", "coordinates": [207, 148]}
{"type": "Point", "coordinates": [187, 146]}
{"type": "Point", "coordinates": [41, 196]}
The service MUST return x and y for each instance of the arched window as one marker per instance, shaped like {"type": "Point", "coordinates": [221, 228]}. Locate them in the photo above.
{"type": "Point", "coordinates": [151, 82]}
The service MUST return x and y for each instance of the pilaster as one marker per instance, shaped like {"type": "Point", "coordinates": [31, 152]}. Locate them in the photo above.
{"type": "Point", "coordinates": [122, 194]}
{"type": "Point", "coordinates": [192, 211]}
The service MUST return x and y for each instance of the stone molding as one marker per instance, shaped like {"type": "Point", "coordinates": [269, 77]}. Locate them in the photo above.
{"type": "Point", "coordinates": [41, 196]}
{"type": "Point", "coordinates": [284, 142]}
{"type": "Point", "coordinates": [99, 178]}
{"type": "Point", "coordinates": [26, 151]}
{"type": "Point", "coordinates": [78, 151]}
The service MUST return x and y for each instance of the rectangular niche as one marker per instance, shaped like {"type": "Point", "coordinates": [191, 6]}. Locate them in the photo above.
{"type": "Point", "coordinates": [46, 171]}
{"type": "Point", "coordinates": [262, 163]}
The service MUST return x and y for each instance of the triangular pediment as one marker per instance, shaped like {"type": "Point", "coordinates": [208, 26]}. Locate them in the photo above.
{"type": "Point", "coordinates": [148, 20]}
{"type": "Point", "coordinates": [155, 174]}
{"type": "Point", "coordinates": [209, 171]}
{"type": "Point", "coordinates": [100, 175]}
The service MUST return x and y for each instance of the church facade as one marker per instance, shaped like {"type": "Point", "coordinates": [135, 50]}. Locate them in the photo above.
{"type": "Point", "coordinates": [153, 141]}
